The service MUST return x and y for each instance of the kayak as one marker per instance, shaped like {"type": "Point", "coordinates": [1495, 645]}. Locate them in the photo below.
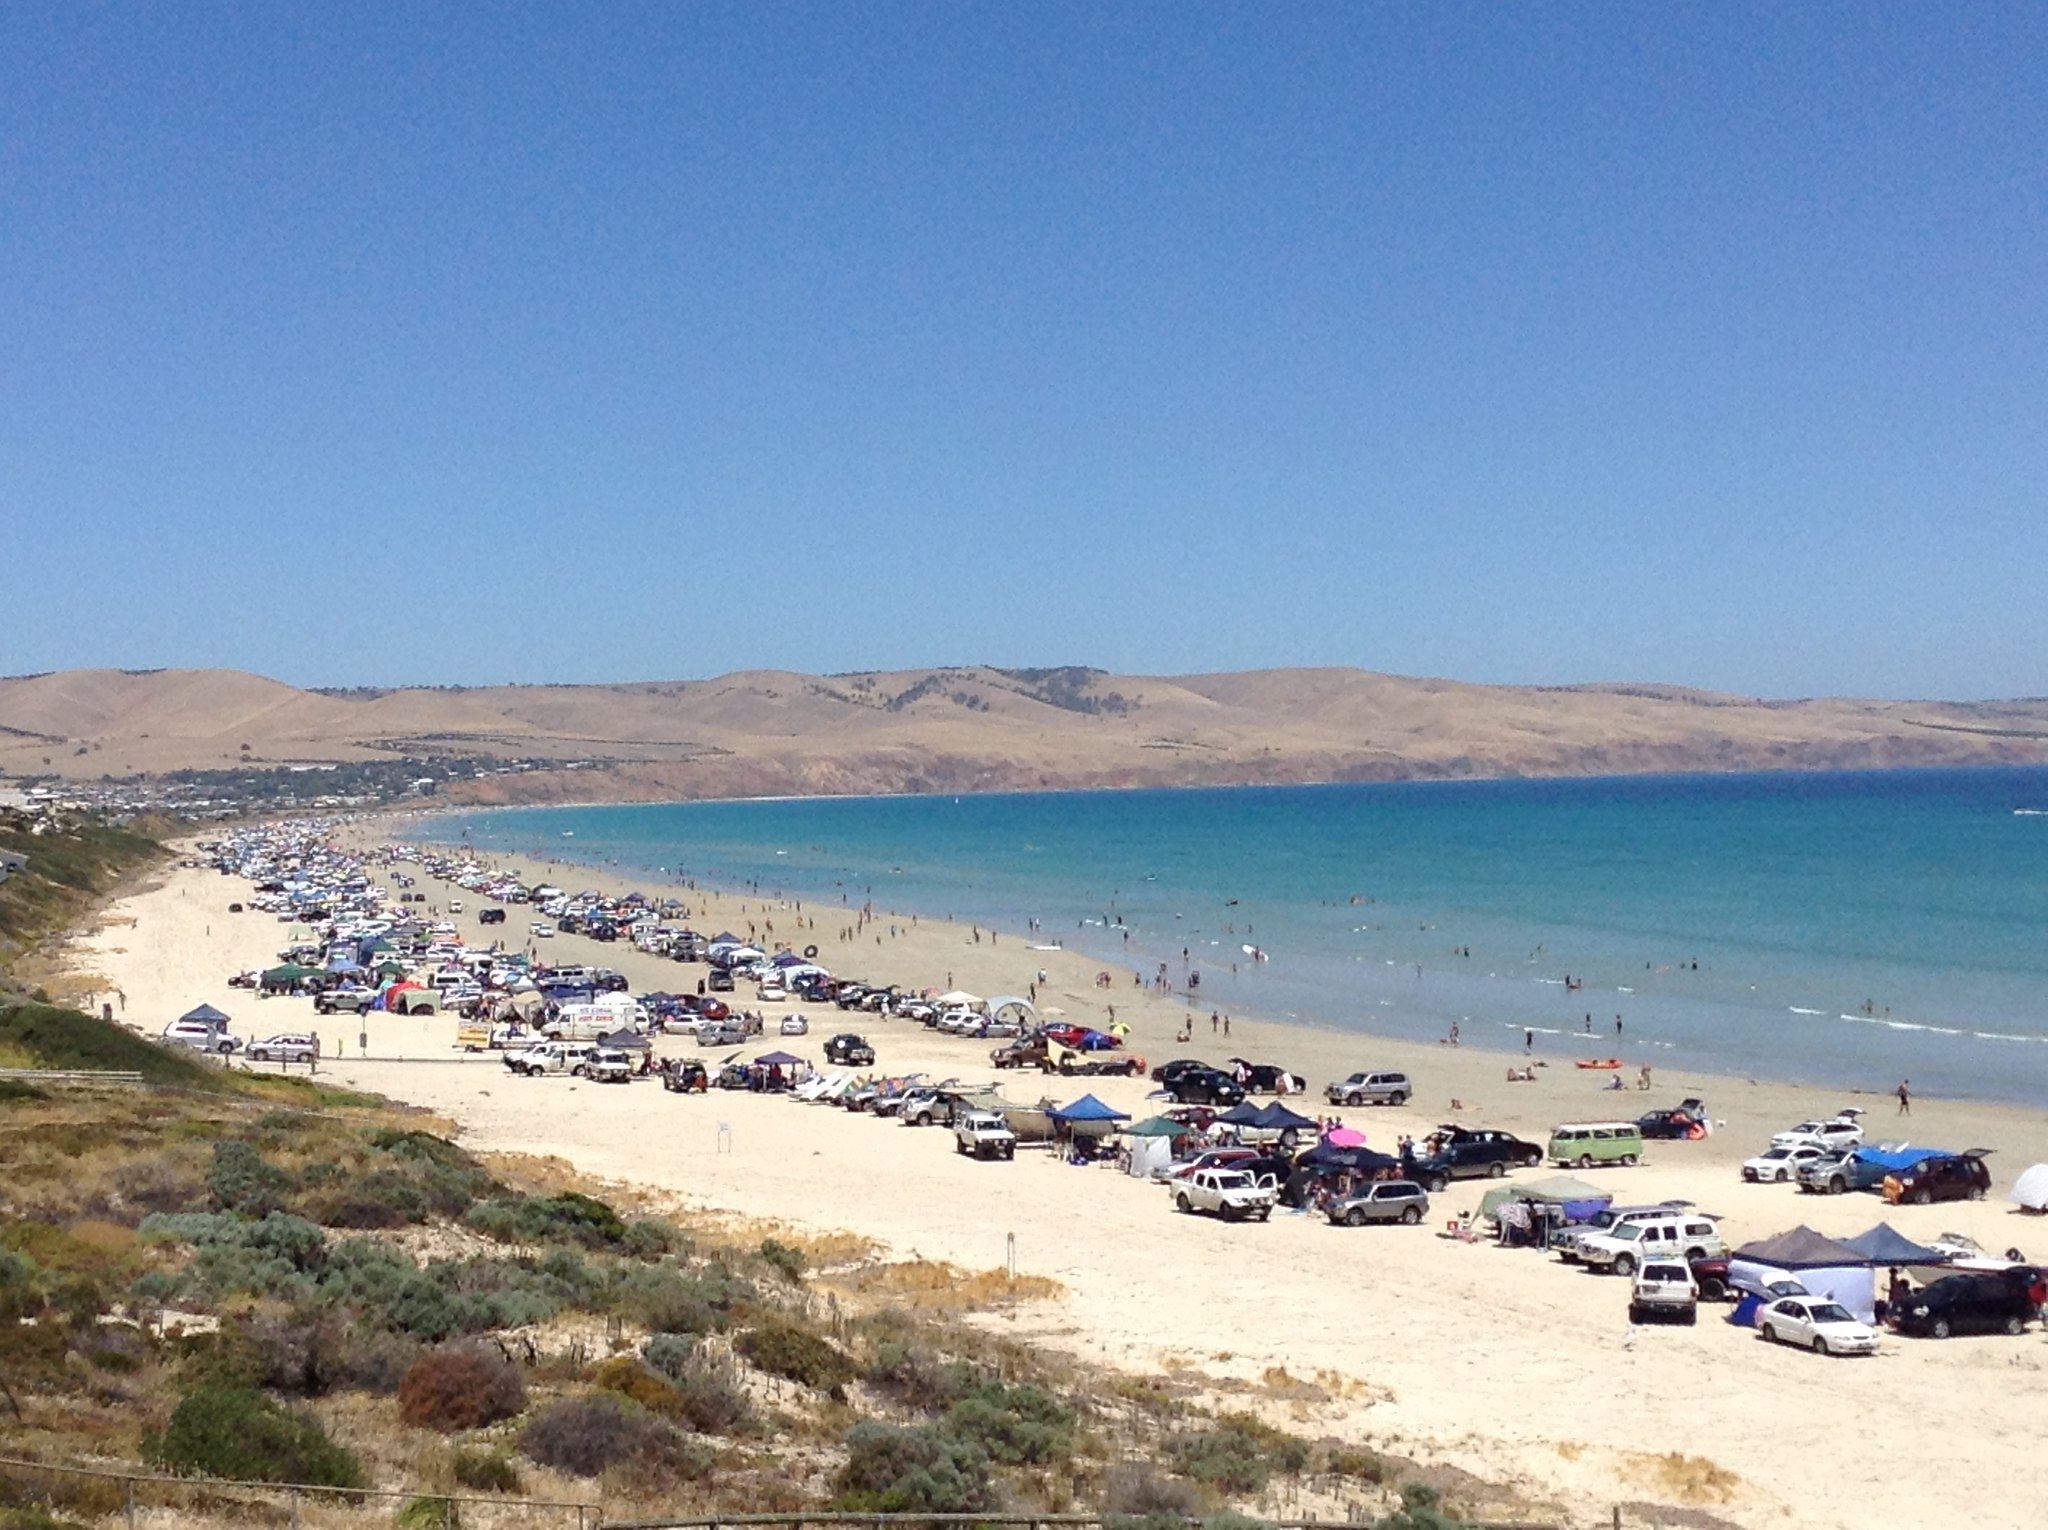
{"type": "Point", "coordinates": [1610, 1062]}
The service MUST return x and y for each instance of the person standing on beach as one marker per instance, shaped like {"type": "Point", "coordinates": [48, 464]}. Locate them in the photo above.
{"type": "Point", "coordinates": [1905, 1097]}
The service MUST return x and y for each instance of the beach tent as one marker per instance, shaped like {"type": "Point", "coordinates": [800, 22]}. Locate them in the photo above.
{"type": "Point", "coordinates": [626, 1041]}
{"type": "Point", "coordinates": [204, 1014]}
{"type": "Point", "coordinates": [1010, 1006]}
{"type": "Point", "coordinates": [778, 1060]}
{"type": "Point", "coordinates": [1088, 1116]}
{"type": "Point", "coordinates": [1358, 1159]}
{"type": "Point", "coordinates": [1825, 1266]}
{"type": "Point", "coordinates": [1148, 1153]}
{"type": "Point", "coordinates": [958, 999]}
{"type": "Point", "coordinates": [1885, 1244]}
{"type": "Point", "coordinates": [1159, 1126]}
{"type": "Point", "coordinates": [2031, 1188]}
{"type": "Point", "coordinates": [1243, 1113]}
{"type": "Point", "coordinates": [1277, 1117]}
{"type": "Point", "coordinates": [1580, 1201]}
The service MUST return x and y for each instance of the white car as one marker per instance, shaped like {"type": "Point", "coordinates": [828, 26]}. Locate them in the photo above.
{"type": "Point", "coordinates": [200, 1037]}
{"type": "Point", "coordinates": [541, 931]}
{"type": "Point", "coordinates": [1782, 1162]}
{"type": "Point", "coordinates": [1810, 1322]}
{"type": "Point", "coordinates": [1664, 1289]}
{"type": "Point", "coordinates": [1844, 1131]}
{"type": "Point", "coordinates": [294, 1046]}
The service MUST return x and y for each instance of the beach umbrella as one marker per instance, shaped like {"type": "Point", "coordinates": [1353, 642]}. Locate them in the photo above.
{"type": "Point", "coordinates": [1344, 1137]}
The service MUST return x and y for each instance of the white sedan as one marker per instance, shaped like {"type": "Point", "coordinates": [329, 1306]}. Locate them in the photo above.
{"type": "Point", "coordinates": [1809, 1322]}
{"type": "Point", "coordinates": [1783, 1162]}
{"type": "Point", "coordinates": [541, 931]}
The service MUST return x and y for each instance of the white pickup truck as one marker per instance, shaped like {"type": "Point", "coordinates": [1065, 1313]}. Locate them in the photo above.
{"type": "Point", "coordinates": [984, 1134]}
{"type": "Point", "coordinates": [1231, 1194]}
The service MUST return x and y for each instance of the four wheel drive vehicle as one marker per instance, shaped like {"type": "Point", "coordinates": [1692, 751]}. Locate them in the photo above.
{"type": "Point", "coordinates": [1267, 1078]}
{"type": "Point", "coordinates": [1688, 1120]}
{"type": "Point", "coordinates": [1230, 1194]}
{"type": "Point", "coordinates": [200, 1037]}
{"type": "Point", "coordinates": [847, 1050]}
{"type": "Point", "coordinates": [2002, 1301]}
{"type": "Point", "coordinates": [1843, 1131]}
{"type": "Point", "coordinates": [1957, 1177]}
{"type": "Point", "coordinates": [609, 1065]}
{"type": "Point", "coordinates": [719, 981]}
{"type": "Point", "coordinates": [1862, 1168]}
{"type": "Point", "coordinates": [1566, 1240]}
{"type": "Point", "coordinates": [1072, 1062]}
{"type": "Point", "coordinates": [1581, 1145]}
{"type": "Point", "coordinates": [1167, 1072]}
{"type": "Point", "coordinates": [342, 1001]}
{"type": "Point", "coordinates": [491, 916]}
{"type": "Point", "coordinates": [1666, 1290]}
{"type": "Point", "coordinates": [722, 1034]}
{"type": "Point", "coordinates": [1712, 1275]}
{"type": "Point", "coordinates": [681, 1076]}
{"type": "Point", "coordinates": [1627, 1248]}
{"type": "Point", "coordinates": [293, 1046]}
{"type": "Point", "coordinates": [1370, 1089]}
{"type": "Point", "coordinates": [1206, 1086]}
{"type": "Point", "coordinates": [1025, 1052]}
{"type": "Point", "coordinates": [1815, 1323]}
{"type": "Point", "coordinates": [984, 1134]}
{"type": "Point", "coordinates": [1386, 1200]}
{"type": "Point", "coordinates": [1779, 1164]}
{"type": "Point", "coordinates": [795, 1025]}
{"type": "Point", "coordinates": [1482, 1154]}
{"type": "Point", "coordinates": [571, 1057]}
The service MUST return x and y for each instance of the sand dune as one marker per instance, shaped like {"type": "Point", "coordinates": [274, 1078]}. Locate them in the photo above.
{"type": "Point", "coordinates": [977, 728]}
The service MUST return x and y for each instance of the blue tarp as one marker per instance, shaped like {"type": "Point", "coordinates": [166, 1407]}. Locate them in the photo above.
{"type": "Point", "coordinates": [1087, 1108]}
{"type": "Point", "coordinates": [205, 1014]}
{"type": "Point", "coordinates": [1901, 1158]}
{"type": "Point", "coordinates": [1279, 1118]}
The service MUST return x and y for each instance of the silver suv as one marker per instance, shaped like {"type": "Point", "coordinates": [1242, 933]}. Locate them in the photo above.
{"type": "Point", "coordinates": [200, 1037]}
{"type": "Point", "coordinates": [1386, 1200]}
{"type": "Point", "coordinates": [1370, 1089]}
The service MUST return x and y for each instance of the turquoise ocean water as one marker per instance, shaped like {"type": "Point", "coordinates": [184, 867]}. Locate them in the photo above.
{"type": "Point", "coordinates": [1801, 898]}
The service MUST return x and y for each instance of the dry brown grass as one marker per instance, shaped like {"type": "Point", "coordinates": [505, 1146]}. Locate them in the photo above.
{"type": "Point", "coordinates": [931, 1285]}
{"type": "Point", "coordinates": [1692, 1479]}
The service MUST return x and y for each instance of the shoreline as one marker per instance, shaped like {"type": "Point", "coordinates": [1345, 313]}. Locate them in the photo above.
{"type": "Point", "coordinates": [1501, 1362]}
{"type": "Point", "coordinates": [1639, 1046]}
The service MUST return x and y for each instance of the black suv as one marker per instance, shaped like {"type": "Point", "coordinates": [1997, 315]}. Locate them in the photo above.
{"type": "Point", "coordinates": [1180, 1067]}
{"type": "Point", "coordinates": [2001, 1301]}
{"type": "Point", "coordinates": [849, 1051]}
{"type": "Point", "coordinates": [1963, 1177]}
{"type": "Point", "coordinates": [1205, 1086]}
{"type": "Point", "coordinates": [1474, 1155]}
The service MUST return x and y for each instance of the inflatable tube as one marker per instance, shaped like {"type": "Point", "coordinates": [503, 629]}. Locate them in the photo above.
{"type": "Point", "coordinates": [810, 953]}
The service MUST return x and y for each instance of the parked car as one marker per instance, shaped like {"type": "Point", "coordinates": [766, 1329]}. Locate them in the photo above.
{"type": "Point", "coordinates": [1384, 1200]}
{"type": "Point", "coordinates": [1687, 1120]}
{"type": "Point", "coordinates": [1665, 1290]}
{"type": "Point", "coordinates": [1858, 1168]}
{"type": "Point", "coordinates": [1230, 1194]}
{"type": "Point", "coordinates": [1267, 1078]}
{"type": "Point", "coordinates": [1628, 1247]}
{"type": "Point", "coordinates": [847, 1050]}
{"type": "Point", "coordinates": [1475, 1154]}
{"type": "Point", "coordinates": [1780, 1163]}
{"type": "Point", "coordinates": [719, 981]}
{"type": "Point", "coordinates": [685, 1076]}
{"type": "Point", "coordinates": [200, 1037]}
{"type": "Point", "coordinates": [795, 1025]}
{"type": "Point", "coordinates": [2002, 1301]}
{"type": "Point", "coordinates": [1843, 1130]}
{"type": "Point", "coordinates": [721, 1034]}
{"type": "Point", "coordinates": [293, 1046]}
{"type": "Point", "coordinates": [1813, 1322]}
{"type": "Point", "coordinates": [1208, 1158]}
{"type": "Point", "coordinates": [347, 1000]}
{"type": "Point", "coordinates": [491, 916]}
{"type": "Point", "coordinates": [1712, 1275]}
{"type": "Point", "coordinates": [572, 1057]}
{"type": "Point", "coordinates": [1206, 1086]}
{"type": "Point", "coordinates": [983, 1134]}
{"type": "Point", "coordinates": [609, 1065]}
{"type": "Point", "coordinates": [1167, 1072]}
{"type": "Point", "coordinates": [1370, 1088]}
{"type": "Point", "coordinates": [1954, 1177]}
{"type": "Point", "coordinates": [1566, 1240]}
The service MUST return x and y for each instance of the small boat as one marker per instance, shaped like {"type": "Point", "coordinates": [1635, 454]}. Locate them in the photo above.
{"type": "Point", "coordinates": [1601, 1063]}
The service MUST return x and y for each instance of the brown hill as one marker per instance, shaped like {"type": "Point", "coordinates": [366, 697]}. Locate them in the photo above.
{"type": "Point", "coordinates": [976, 728]}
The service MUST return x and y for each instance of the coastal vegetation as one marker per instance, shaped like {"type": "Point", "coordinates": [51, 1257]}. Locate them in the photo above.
{"type": "Point", "coordinates": [258, 1279]}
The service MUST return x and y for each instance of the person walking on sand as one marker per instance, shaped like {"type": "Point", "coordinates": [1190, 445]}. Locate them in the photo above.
{"type": "Point", "coordinates": [1905, 1097]}
{"type": "Point", "coordinates": [1528, 1041]}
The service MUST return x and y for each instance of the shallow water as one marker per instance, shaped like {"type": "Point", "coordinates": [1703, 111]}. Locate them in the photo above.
{"type": "Point", "coordinates": [1801, 898]}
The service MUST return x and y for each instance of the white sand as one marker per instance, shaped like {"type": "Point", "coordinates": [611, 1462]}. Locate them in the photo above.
{"type": "Point", "coordinates": [1507, 1363]}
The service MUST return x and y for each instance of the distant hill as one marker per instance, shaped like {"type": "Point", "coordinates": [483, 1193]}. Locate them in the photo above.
{"type": "Point", "coordinates": [974, 728]}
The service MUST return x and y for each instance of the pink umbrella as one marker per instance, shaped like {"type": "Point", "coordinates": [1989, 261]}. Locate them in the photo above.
{"type": "Point", "coordinates": [1344, 1136]}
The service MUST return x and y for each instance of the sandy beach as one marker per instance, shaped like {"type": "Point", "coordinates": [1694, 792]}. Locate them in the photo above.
{"type": "Point", "coordinates": [1503, 1362]}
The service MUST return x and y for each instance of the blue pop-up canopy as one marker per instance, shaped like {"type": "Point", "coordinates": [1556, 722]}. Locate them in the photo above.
{"type": "Point", "coordinates": [1087, 1108]}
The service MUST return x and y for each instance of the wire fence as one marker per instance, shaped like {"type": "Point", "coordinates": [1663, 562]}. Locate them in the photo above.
{"type": "Point", "coordinates": [147, 1501]}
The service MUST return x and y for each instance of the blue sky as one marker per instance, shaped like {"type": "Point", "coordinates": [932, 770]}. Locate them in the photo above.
{"type": "Point", "coordinates": [382, 343]}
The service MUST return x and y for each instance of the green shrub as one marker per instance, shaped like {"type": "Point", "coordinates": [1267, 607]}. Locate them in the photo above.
{"type": "Point", "coordinates": [1017, 1426]}
{"type": "Point", "coordinates": [909, 1374]}
{"type": "Point", "coordinates": [486, 1471]}
{"type": "Point", "coordinates": [1239, 1455]}
{"type": "Point", "coordinates": [585, 1435]}
{"type": "Point", "coordinates": [566, 1218]}
{"type": "Point", "coordinates": [669, 1353]}
{"type": "Point", "coordinates": [1135, 1497]}
{"type": "Point", "coordinates": [460, 1387]}
{"type": "Point", "coordinates": [907, 1471]}
{"type": "Point", "coordinates": [664, 1300]}
{"type": "Point", "coordinates": [1421, 1509]}
{"type": "Point", "coordinates": [428, 1514]}
{"type": "Point", "coordinates": [783, 1349]}
{"type": "Point", "coordinates": [709, 1402]}
{"type": "Point", "coordinates": [238, 1432]}
{"type": "Point", "coordinates": [273, 1255]}
{"type": "Point", "coordinates": [1358, 1463]}
{"type": "Point", "coordinates": [784, 1260]}
{"type": "Point", "coordinates": [243, 1180]}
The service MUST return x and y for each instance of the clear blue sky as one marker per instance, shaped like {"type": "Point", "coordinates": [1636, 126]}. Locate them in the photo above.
{"type": "Point", "coordinates": [1531, 343]}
